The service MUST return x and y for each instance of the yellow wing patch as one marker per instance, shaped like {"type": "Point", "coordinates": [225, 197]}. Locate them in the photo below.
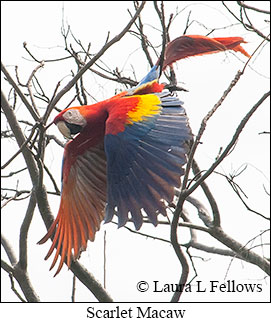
{"type": "Point", "coordinates": [148, 105]}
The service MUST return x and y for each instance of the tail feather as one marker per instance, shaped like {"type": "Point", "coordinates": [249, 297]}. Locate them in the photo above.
{"type": "Point", "coordinates": [233, 43]}
{"type": "Point", "coordinates": [184, 47]}
{"type": "Point", "coordinates": [194, 45]}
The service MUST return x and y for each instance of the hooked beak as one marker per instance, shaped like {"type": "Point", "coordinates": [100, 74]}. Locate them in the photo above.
{"type": "Point", "coordinates": [62, 127]}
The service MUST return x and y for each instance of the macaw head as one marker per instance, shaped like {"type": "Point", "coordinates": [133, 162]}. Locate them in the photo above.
{"type": "Point", "coordinates": [70, 122]}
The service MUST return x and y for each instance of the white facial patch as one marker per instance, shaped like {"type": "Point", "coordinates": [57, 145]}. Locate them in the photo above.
{"type": "Point", "coordinates": [73, 116]}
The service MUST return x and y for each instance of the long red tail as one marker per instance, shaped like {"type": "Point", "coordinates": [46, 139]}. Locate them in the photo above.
{"type": "Point", "coordinates": [193, 45]}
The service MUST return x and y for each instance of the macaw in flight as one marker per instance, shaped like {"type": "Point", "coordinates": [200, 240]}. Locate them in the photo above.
{"type": "Point", "coordinates": [126, 154]}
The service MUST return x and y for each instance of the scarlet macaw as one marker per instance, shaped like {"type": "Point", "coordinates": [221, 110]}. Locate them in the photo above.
{"type": "Point", "coordinates": [127, 155]}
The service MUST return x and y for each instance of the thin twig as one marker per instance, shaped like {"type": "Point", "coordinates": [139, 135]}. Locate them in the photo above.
{"type": "Point", "coordinates": [90, 63]}
{"type": "Point", "coordinates": [73, 288]}
{"type": "Point", "coordinates": [248, 27]}
{"type": "Point", "coordinates": [231, 144]}
{"type": "Point", "coordinates": [28, 85]}
{"type": "Point", "coordinates": [23, 146]}
{"type": "Point", "coordinates": [21, 95]}
{"type": "Point", "coordinates": [204, 124]}
{"type": "Point", "coordinates": [14, 289]}
{"type": "Point", "coordinates": [244, 5]}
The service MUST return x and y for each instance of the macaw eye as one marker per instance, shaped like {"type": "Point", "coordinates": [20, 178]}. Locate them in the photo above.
{"type": "Point", "coordinates": [74, 117]}
{"type": "Point", "coordinates": [74, 128]}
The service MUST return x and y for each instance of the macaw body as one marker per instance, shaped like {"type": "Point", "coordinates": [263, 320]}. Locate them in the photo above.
{"type": "Point", "coordinates": [125, 156]}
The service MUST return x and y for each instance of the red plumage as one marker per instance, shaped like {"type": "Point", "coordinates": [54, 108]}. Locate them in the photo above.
{"type": "Point", "coordinates": [193, 45]}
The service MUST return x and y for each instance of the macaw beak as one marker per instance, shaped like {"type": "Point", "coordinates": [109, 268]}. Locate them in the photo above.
{"type": "Point", "coordinates": [62, 127]}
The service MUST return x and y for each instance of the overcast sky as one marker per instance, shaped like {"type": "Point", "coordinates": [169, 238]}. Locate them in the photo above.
{"type": "Point", "coordinates": [131, 258]}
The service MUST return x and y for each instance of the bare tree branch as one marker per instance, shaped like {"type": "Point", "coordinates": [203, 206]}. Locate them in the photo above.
{"type": "Point", "coordinates": [244, 5]}
{"type": "Point", "coordinates": [90, 282]}
{"type": "Point", "coordinates": [34, 149]}
{"type": "Point", "coordinates": [203, 126]}
{"type": "Point", "coordinates": [241, 250]}
{"type": "Point", "coordinates": [231, 144]}
{"type": "Point", "coordinates": [9, 251]}
{"type": "Point", "coordinates": [180, 255]}
{"type": "Point", "coordinates": [21, 95]}
{"type": "Point", "coordinates": [41, 195]}
{"type": "Point", "coordinates": [23, 280]}
{"type": "Point", "coordinates": [208, 194]}
{"type": "Point", "coordinates": [247, 26]}
{"type": "Point", "coordinates": [24, 232]}
{"type": "Point", "coordinates": [90, 63]}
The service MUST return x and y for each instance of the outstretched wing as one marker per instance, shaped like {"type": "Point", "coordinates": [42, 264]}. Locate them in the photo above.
{"type": "Point", "coordinates": [145, 153]}
{"type": "Point", "coordinates": [82, 204]}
